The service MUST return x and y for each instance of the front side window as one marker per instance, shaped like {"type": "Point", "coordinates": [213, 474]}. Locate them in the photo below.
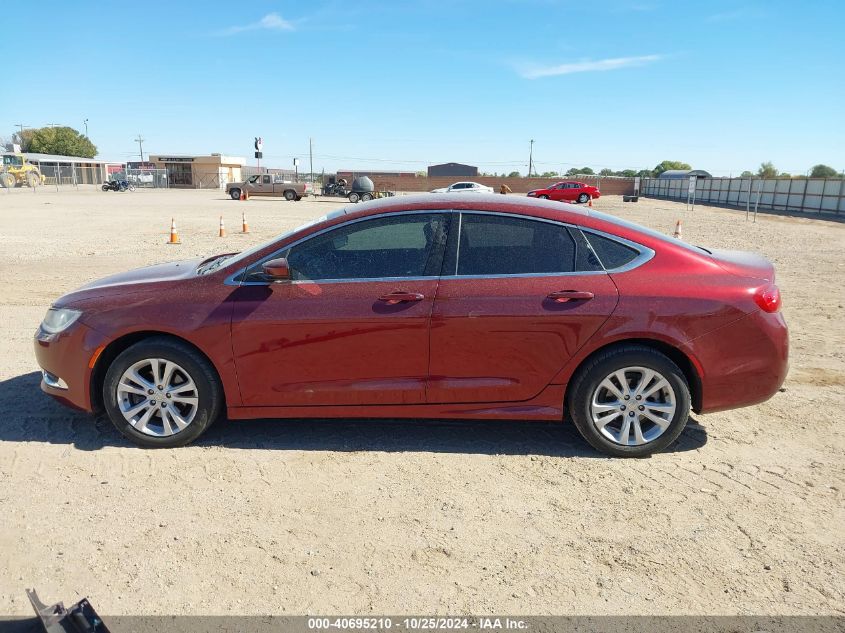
{"type": "Point", "coordinates": [266, 180]}
{"type": "Point", "coordinates": [409, 245]}
{"type": "Point", "coordinates": [499, 245]}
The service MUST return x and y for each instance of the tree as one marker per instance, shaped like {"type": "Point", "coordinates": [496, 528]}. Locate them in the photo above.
{"type": "Point", "coordinates": [822, 171]}
{"type": "Point", "coordinates": [574, 171]}
{"type": "Point", "coordinates": [514, 174]}
{"type": "Point", "coordinates": [767, 170]}
{"type": "Point", "coordinates": [669, 164]}
{"type": "Point", "coordinates": [607, 172]}
{"type": "Point", "coordinates": [746, 174]}
{"type": "Point", "coordinates": [548, 174]}
{"type": "Point", "coordinates": [645, 173]}
{"type": "Point", "coordinates": [784, 174]}
{"type": "Point", "coordinates": [64, 141]}
{"type": "Point", "coordinates": [629, 173]}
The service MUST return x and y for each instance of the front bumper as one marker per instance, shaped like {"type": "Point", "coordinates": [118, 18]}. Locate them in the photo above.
{"type": "Point", "coordinates": [67, 362]}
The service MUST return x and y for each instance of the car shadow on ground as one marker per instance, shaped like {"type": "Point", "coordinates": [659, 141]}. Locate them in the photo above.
{"type": "Point", "coordinates": [31, 416]}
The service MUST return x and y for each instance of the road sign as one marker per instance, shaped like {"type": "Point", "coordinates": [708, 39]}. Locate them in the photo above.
{"type": "Point", "coordinates": [259, 143]}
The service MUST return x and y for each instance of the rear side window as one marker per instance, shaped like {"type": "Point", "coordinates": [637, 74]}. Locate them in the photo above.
{"type": "Point", "coordinates": [498, 245]}
{"type": "Point", "coordinates": [611, 253]}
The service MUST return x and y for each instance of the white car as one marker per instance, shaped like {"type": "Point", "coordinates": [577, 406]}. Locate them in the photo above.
{"type": "Point", "coordinates": [464, 187]}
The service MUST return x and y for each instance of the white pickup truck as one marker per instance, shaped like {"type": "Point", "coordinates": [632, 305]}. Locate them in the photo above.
{"type": "Point", "coordinates": [269, 185]}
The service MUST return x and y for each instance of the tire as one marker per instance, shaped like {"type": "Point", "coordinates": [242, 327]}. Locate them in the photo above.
{"type": "Point", "coordinates": [298, 198]}
{"type": "Point", "coordinates": [588, 390]}
{"type": "Point", "coordinates": [7, 180]}
{"type": "Point", "coordinates": [354, 197]}
{"type": "Point", "coordinates": [33, 179]}
{"type": "Point", "coordinates": [235, 194]}
{"type": "Point", "coordinates": [186, 363]}
{"type": "Point", "coordinates": [366, 197]}
{"type": "Point", "coordinates": [582, 198]}
{"type": "Point", "coordinates": [106, 187]}
{"type": "Point", "coordinates": [543, 197]}
{"type": "Point", "coordinates": [290, 195]}
{"type": "Point", "coordinates": [131, 186]}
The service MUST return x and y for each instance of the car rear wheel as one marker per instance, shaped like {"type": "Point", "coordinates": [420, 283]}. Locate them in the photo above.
{"type": "Point", "coordinates": [161, 393]}
{"type": "Point", "coordinates": [583, 198]}
{"type": "Point", "coordinates": [354, 197]}
{"type": "Point", "coordinates": [630, 401]}
{"type": "Point", "coordinates": [366, 197]}
{"type": "Point", "coordinates": [290, 195]}
{"type": "Point", "coordinates": [235, 194]}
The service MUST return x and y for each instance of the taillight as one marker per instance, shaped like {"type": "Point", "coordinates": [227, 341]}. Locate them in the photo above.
{"type": "Point", "coordinates": [768, 298]}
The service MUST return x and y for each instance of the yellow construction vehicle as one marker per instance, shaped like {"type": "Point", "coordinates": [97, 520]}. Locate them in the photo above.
{"type": "Point", "coordinates": [16, 172]}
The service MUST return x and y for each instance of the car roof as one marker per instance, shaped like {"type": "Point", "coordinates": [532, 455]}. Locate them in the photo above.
{"type": "Point", "coordinates": [480, 202]}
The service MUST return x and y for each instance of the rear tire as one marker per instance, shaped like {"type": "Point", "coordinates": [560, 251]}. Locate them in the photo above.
{"type": "Point", "coordinates": [366, 197]}
{"type": "Point", "coordinates": [33, 179]}
{"type": "Point", "coordinates": [290, 195]}
{"type": "Point", "coordinates": [7, 180]}
{"type": "Point", "coordinates": [354, 197]}
{"type": "Point", "coordinates": [599, 410]}
{"type": "Point", "coordinates": [235, 194]}
{"type": "Point", "coordinates": [583, 198]}
{"type": "Point", "coordinates": [196, 400]}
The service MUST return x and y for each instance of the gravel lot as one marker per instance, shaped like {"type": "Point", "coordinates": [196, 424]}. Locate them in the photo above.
{"type": "Point", "coordinates": [744, 515]}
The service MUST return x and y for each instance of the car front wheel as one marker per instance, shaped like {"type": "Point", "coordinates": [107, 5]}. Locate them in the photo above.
{"type": "Point", "coordinates": [583, 198]}
{"type": "Point", "coordinates": [235, 194]}
{"type": "Point", "coordinates": [161, 393]}
{"type": "Point", "coordinates": [630, 401]}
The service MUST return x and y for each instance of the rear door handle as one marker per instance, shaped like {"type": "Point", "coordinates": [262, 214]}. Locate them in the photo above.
{"type": "Point", "coordinates": [561, 296]}
{"type": "Point", "coordinates": [399, 297]}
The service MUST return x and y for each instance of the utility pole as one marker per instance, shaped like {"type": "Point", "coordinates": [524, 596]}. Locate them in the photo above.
{"type": "Point", "coordinates": [21, 127]}
{"type": "Point", "coordinates": [140, 141]}
{"type": "Point", "coordinates": [531, 158]}
{"type": "Point", "coordinates": [86, 127]}
{"type": "Point", "coordinates": [311, 159]}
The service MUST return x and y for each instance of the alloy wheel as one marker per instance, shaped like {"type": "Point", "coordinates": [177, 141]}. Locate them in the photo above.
{"type": "Point", "coordinates": [157, 397]}
{"type": "Point", "coordinates": [633, 406]}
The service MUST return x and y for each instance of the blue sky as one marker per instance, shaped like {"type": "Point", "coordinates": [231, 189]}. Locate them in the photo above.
{"type": "Point", "coordinates": [721, 85]}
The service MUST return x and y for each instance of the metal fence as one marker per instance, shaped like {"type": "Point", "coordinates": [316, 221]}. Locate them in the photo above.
{"type": "Point", "coordinates": [794, 195]}
{"type": "Point", "coordinates": [148, 178]}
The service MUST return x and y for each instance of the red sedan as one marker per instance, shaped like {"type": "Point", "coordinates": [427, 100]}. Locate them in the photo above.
{"type": "Point", "coordinates": [567, 191]}
{"type": "Point", "coordinates": [489, 307]}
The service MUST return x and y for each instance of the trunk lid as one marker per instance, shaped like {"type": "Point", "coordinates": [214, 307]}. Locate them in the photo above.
{"type": "Point", "coordinates": [744, 264]}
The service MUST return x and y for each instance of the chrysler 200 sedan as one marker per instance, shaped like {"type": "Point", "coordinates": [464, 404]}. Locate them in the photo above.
{"type": "Point", "coordinates": [480, 307]}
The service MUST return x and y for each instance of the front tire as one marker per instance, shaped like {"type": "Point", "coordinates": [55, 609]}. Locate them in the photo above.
{"type": "Point", "coordinates": [161, 393]}
{"type": "Point", "coordinates": [544, 197]}
{"type": "Point", "coordinates": [366, 197]}
{"type": "Point", "coordinates": [235, 194]}
{"type": "Point", "coordinates": [583, 198]}
{"type": "Point", "coordinates": [630, 401]}
{"type": "Point", "coordinates": [354, 197]}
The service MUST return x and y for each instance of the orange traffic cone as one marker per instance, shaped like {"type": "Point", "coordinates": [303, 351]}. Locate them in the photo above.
{"type": "Point", "coordinates": [174, 234]}
{"type": "Point", "coordinates": [222, 228]}
{"type": "Point", "coordinates": [244, 225]}
{"type": "Point", "coordinates": [590, 203]}
{"type": "Point", "coordinates": [678, 230]}
{"type": "Point", "coordinates": [243, 195]}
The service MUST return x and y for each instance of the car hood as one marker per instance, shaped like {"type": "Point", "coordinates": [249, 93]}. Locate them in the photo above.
{"type": "Point", "coordinates": [133, 281]}
{"type": "Point", "coordinates": [441, 190]}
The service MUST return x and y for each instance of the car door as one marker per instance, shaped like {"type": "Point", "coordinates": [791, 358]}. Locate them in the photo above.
{"type": "Point", "coordinates": [557, 192]}
{"type": "Point", "coordinates": [351, 326]}
{"type": "Point", "coordinates": [517, 298]}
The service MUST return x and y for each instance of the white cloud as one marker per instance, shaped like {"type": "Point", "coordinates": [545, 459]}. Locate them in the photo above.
{"type": "Point", "coordinates": [270, 22]}
{"type": "Point", "coordinates": [588, 66]}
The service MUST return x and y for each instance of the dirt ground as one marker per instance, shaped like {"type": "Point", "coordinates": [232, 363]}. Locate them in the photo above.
{"type": "Point", "coordinates": [743, 515]}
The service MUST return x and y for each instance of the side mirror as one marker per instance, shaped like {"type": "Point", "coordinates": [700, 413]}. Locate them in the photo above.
{"type": "Point", "coordinates": [277, 269]}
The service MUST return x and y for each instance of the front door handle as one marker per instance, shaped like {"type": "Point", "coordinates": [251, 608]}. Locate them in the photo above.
{"type": "Point", "coordinates": [399, 297]}
{"type": "Point", "coordinates": [562, 296]}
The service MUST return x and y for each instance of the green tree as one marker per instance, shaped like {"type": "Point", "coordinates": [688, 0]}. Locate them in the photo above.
{"type": "Point", "coordinates": [746, 174]}
{"type": "Point", "coordinates": [574, 171]}
{"type": "Point", "coordinates": [514, 174]}
{"type": "Point", "coordinates": [767, 170]}
{"type": "Point", "coordinates": [64, 141]}
{"type": "Point", "coordinates": [669, 164]}
{"type": "Point", "coordinates": [548, 174]}
{"type": "Point", "coordinates": [607, 172]}
{"type": "Point", "coordinates": [645, 173]}
{"type": "Point", "coordinates": [629, 173]}
{"type": "Point", "coordinates": [822, 171]}
{"type": "Point", "coordinates": [784, 174]}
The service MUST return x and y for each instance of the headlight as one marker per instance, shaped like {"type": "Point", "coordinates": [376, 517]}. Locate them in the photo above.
{"type": "Point", "coordinates": [59, 319]}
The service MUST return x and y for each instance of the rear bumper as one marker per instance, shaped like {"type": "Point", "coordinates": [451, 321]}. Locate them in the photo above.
{"type": "Point", "coordinates": [68, 359]}
{"type": "Point", "coordinates": [743, 363]}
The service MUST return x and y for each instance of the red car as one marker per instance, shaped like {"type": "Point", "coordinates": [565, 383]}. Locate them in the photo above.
{"type": "Point", "coordinates": [456, 307]}
{"type": "Point", "coordinates": [567, 191]}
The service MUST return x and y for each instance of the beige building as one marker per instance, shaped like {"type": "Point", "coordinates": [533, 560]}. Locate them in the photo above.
{"type": "Point", "coordinates": [200, 172]}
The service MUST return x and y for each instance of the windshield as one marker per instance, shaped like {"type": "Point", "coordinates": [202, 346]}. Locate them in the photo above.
{"type": "Point", "coordinates": [214, 263]}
